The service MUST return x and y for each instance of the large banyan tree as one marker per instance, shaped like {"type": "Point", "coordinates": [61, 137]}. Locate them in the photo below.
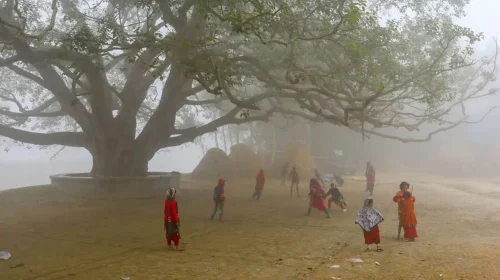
{"type": "Point", "coordinates": [116, 77]}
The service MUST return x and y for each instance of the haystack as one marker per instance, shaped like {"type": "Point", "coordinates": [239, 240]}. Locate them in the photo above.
{"type": "Point", "coordinates": [245, 161]}
{"type": "Point", "coordinates": [215, 164]}
{"type": "Point", "coordinates": [298, 155]}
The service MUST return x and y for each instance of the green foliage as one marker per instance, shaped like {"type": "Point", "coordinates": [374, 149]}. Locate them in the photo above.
{"type": "Point", "coordinates": [320, 57]}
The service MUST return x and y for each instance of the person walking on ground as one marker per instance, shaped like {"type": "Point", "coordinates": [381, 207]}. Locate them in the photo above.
{"type": "Point", "coordinates": [219, 199]}
{"type": "Point", "coordinates": [294, 178]}
{"type": "Point", "coordinates": [260, 181]}
{"type": "Point", "coordinates": [370, 177]}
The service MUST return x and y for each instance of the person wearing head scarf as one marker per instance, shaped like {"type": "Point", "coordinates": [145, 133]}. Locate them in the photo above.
{"type": "Point", "coordinates": [370, 177]}
{"type": "Point", "coordinates": [404, 186]}
{"type": "Point", "coordinates": [260, 180]}
{"type": "Point", "coordinates": [171, 219]}
{"type": "Point", "coordinates": [408, 218]}
{"type": "Point", "coordinates": [294, 178]}
{"type": "Point", "coordinates": [316, 197]}
{"type": "Point", "coordinates": [368, 219]}
{"type": "Point", "coordinates": [337, 197]}
{"type": "Point", "coordinates": [219, 199]}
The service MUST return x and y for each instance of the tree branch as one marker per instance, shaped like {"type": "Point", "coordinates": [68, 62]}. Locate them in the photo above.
{"type": "Point", "coordinates": [72, 139]}
{"type": "Point", "coordinates": [189, 134]}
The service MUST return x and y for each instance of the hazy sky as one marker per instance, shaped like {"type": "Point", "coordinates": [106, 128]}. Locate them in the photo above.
{"type": "Point", "coordinates": [482, 16]}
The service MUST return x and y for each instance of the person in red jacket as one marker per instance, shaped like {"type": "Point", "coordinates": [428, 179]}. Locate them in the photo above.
{"type": "Point", "coordinates": [171, 219]}
{"type": "Point", "coordinates": [370, 177]}
{"type": "Point", "coordinates": [260, 181]}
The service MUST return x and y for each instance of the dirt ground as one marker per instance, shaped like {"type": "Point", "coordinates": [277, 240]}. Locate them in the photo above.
{"type": "Point", "coordinates": [54, 235]}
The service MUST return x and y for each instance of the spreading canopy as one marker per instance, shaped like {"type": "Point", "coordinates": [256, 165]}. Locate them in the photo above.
{"type": "Point", "coordinates": [120, 78]}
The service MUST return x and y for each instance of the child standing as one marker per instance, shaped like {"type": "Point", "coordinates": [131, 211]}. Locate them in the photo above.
{"type": "Point", "coordinates": [404, 186]}
{"type": "Point", "coordinates": [368, 219]}
{"type": "Point", "coordinates": [260, 180]}
{"type": "Point", "coordinates": [408, 218]}
{"type": "Point", "coordinates": [171, 219]}
{"type": "Point", "coordinates": [294, 178]}
{"type": "Point", "coordinates": [219, 199]}
{"type": "Point", "coordinates": [337, 197]}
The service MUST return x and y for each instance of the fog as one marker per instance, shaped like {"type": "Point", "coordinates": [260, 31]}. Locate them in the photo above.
{"type": "Point", "coordinates": [471, 147]}
{"type": "Point", "coordinates": [27, 167]}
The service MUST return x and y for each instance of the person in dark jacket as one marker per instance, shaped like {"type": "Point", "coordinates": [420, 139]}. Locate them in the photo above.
{"type": "Point", "coordinates": [219, 199]}
{"type": "Point", "coordinates": [337, 197]}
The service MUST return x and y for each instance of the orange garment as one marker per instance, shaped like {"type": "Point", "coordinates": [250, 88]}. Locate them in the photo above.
{"type": "Point", "coordinates": [407, 215]}
{"type": "Point", "coordinates": [260, 181]}
{"type": "Point", "coordinates": [397, 198]}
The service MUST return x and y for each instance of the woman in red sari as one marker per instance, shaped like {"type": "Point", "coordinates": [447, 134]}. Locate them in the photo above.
{"type": "Point", "coordinates": [407, 218]}
{"type": "Point", "coordinates": [171, 219]}
{"type": "Point", "coordinates": [260, 180]}
{"type": "Point", "coordinates": [316, 195]}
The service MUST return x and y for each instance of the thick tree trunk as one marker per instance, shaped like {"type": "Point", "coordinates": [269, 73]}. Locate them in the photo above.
{"type": "Point", "coordinates": [127, 166]}
{"type": "Point", "coordinates": [115, 158]}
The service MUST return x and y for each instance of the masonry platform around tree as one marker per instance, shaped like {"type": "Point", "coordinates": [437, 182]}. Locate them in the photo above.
{"type": "Point", "coordinates": [83, 184]}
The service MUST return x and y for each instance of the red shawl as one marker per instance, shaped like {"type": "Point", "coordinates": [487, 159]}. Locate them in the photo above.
{"type": "Point", "coordinates": [260, 180]}
{"type": "Point", "coordinates": [317, 200]}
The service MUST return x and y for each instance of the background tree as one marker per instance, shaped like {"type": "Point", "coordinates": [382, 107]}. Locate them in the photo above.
{"type": "Point", "coordinates": [117, 77]}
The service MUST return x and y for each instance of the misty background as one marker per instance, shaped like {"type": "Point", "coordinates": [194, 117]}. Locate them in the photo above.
{"type": "Point", "coordinates": [469, 150]}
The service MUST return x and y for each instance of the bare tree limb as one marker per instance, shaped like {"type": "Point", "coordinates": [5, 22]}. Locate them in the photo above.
{"type": "Point", "coordinates": [72, 139]}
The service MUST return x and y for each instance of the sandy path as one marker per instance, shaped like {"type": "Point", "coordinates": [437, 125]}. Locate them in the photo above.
{"type": "Point", "coordinates": [55, 236]}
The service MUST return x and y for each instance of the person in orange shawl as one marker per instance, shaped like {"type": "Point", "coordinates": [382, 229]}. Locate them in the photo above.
{"type": "Point", "coordinates": [316, 195]}
{"type": "Point", "coordinates": [171, 219]}
{"type": "Point", "coordinates": [259, 184]}
{"type": "Point", "coordinates": [403, 187]}
{"type": "Point", "coordinates": [408, 219]}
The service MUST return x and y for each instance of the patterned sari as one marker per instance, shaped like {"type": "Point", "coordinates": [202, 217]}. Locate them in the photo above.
{"type": "Point", "coordinates": [368, 217]}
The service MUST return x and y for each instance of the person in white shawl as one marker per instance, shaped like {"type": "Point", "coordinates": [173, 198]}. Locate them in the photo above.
{"type": "Point", "coordinates": [368, 219]}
